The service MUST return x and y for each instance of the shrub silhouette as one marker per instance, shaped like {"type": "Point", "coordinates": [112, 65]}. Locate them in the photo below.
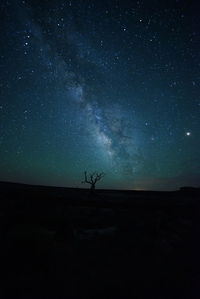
{"type": "Point", "coordinates": [92, 179]}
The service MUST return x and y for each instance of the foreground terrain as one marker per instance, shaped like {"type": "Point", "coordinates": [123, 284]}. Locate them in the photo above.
{"type": "Point", "coordinates": [65, 243]}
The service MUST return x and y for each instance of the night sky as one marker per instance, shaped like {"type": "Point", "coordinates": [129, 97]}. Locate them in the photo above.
{"type": "Point", "coordinates": [106, 85]}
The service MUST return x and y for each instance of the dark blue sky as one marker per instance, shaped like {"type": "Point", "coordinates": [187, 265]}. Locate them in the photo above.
{"type": "Point", "coordinates": [110, 86]}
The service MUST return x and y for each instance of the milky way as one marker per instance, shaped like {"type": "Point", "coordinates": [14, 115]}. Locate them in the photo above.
{"type": "Point", "coordinates": [109, 86]}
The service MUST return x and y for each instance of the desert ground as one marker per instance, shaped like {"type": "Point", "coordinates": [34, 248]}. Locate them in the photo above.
{"type": "Point", "coordinates": [67, 243]}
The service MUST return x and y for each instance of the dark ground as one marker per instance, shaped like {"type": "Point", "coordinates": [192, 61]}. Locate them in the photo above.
{"type": "Point", "coordinates": [63, 243]}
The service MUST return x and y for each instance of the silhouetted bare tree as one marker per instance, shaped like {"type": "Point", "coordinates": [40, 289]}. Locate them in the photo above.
{"type": "Point", "coordinates": [92, 179]}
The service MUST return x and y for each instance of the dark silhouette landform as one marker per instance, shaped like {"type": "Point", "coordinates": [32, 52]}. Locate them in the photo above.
{"type": "Point", "coordinates": [66, 243]}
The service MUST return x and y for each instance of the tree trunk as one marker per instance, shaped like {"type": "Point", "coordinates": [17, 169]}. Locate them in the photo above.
{"type": "Point", "coordinates": [92, 188]}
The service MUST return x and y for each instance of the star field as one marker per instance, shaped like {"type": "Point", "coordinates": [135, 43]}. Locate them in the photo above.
{"type": "Point", "coordinates": [110, 86]}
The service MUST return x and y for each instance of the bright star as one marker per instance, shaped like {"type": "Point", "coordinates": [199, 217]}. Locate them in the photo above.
{"type": "Point", "coordinates": [188, 133]}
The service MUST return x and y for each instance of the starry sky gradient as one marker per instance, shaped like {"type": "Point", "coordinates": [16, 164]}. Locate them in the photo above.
{"type": "Point", "coordinates": [110, 86]}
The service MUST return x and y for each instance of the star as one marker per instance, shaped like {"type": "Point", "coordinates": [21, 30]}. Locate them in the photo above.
{"type": "Point", "coordinates": [188, 133]}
